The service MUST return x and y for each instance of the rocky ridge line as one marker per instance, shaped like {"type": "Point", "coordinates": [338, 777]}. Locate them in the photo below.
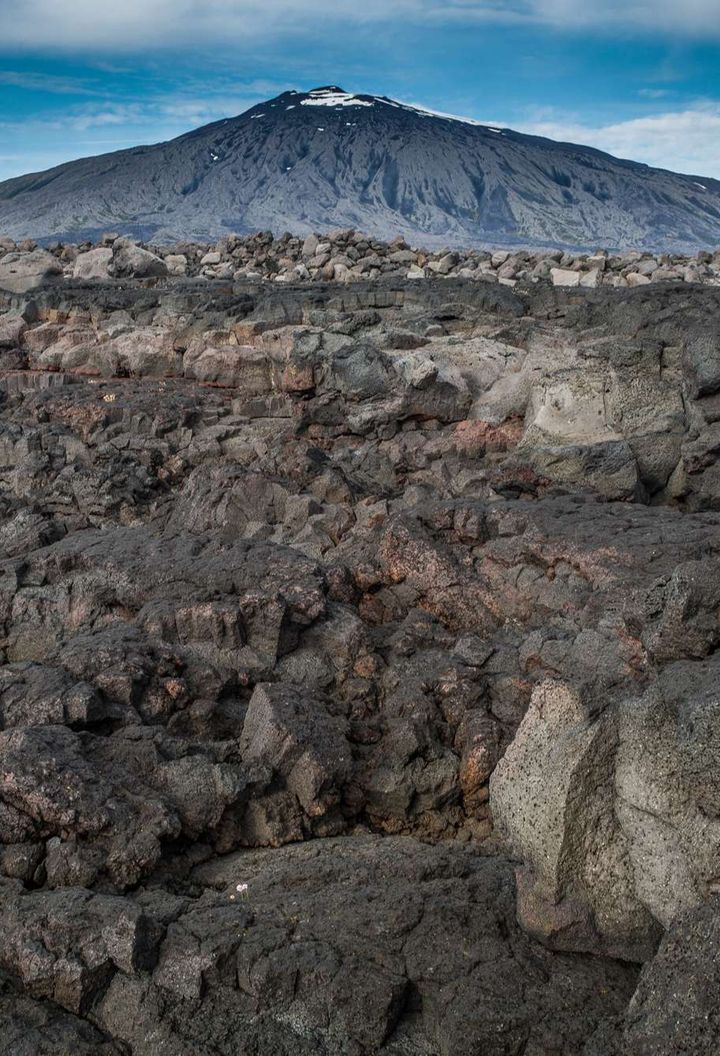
{"type": "Point", "coordinates": [340, 256]}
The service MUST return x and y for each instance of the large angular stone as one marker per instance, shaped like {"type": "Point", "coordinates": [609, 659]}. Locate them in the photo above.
{"type": "Point", "coordinates": [552, 798]}
{"type": "Point", "coordinates": [21, 272]}
{"type": "Point", "coordinates": [132, 261]}
{"type": "Point", "coordinates": [305, 745]}
{"type": "Point", "coordinates": [93, 265]}
{"type": "Point", "coordinates": [564, 277]}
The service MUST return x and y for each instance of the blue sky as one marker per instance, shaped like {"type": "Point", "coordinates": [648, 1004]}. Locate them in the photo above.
{"type": "Point", "coordinates": [639, 78]}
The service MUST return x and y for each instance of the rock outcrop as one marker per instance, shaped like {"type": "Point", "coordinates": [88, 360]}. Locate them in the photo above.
{"type": "Point", "coordinates": [359, 665]}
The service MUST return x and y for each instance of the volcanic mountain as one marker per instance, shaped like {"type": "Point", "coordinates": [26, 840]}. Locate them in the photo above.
{"type": "Point", "coordinates": [327, 158]}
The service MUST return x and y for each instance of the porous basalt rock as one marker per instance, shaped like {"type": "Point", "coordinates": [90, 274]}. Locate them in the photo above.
{"type": "Point", "coordinates": [395, 601]}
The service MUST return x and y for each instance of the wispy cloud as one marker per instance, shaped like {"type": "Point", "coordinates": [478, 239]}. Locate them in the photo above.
{"type": "Point", "coordinates": [46, 82]}
{"type": "Point", "coordinates": [158, 24]}
{"type": "Point", "coordinates": [187, 112]}
{"type": "Point", "coordinates": [648, 16]}
{"type": "Point", "coordinates": [129, 123]}
{"type": "Point", "coordinates": [684, 140]}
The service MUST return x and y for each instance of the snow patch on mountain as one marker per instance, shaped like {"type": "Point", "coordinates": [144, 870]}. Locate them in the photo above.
{"type": "Point", "coordinates": [333, 97]}
{"type": "Point", "coordinates": [425, 111]}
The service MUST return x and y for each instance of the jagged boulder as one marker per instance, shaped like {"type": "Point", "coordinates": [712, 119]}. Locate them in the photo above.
{"type": "Point", "coordinates": [304, 744]}
{"type": "Point", "coordinates": [12, 328]}
{"type": "Point", "coordinates": [568, 437]}
{"type": "Point", "coordinates": [552, 799]}
{"type": "Point", "coordinates": [616, 845]}
{"type": "Point", "coordinates": [93, 265]}
{"type": "Point", "coordinates": [132, 261]}
{"type": "Point", "coordinates": [21, 272]}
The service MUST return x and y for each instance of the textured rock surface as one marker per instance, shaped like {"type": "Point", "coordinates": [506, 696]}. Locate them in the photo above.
{"type": "Point", "coordinates": [675, 1007]}
{"type": "Point", "coordinates": [397, 603]}
{"type": "Point", "coordinates": [23, 271]}
{"type": "Point", "coordinates": [337, 946]}
{"type": "Point", "coordinates": [346, 256]}
{"type": "Point", "coordinates": [327, 159]}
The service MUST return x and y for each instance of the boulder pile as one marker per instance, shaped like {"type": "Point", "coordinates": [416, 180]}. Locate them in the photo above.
{"type": "Point", "coordinates": [342, 256]}
{"type": "Point", "coordinates": [358, 666]}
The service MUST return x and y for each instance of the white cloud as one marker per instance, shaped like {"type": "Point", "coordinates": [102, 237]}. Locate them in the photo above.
{"type": "Point", "coordinates": [45, 82]}
{"type": "Point", "coordinates": [680, 16]}
{"type": "Point", "coordinates": [186, 113]}
{"type": "Point", "coordinates": [78, 131]}
{"type": "Point", "coordinates": [684, 141]}
{"type": "Point", "coordinates": [154, 24]}
{"type": "Point", "coordinates": [180, 113]}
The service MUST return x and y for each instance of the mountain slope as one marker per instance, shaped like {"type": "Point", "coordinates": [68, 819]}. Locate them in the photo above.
{"type": "Point", "coordinates": [323, 159]}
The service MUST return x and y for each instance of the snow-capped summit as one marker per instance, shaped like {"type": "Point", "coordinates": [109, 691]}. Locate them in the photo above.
{"type": "Point", "coordinates": [335, 97]}
{"type": "Point", "coordinates": [329, 158]}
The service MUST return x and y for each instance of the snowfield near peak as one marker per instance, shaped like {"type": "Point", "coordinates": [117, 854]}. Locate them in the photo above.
{"type": "Point", "coordinates": [333, 98]}
{"type": "Point", "coordinates": [424, 111]}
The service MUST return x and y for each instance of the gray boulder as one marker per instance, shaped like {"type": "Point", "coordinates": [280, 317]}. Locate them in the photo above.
{"type": "Point", "coordinates": [304, 745]}
{"type": "Point", "coordinates": [569, 437]}
{"type": "Point", "coordinates": [702, 363]}
{"type": "Point", "coordinates": [564, 277]}
{"type": "Point", "coordinates": [20, 272]}
{"type": "Point", "coordinates": [93, 265]}
{"type": "Point", "coordinates": [132, 261]}
{"type": "Point", "coordinates": [12, 327]}
{"type": "Point", "coordinates": [614, 814]}
{"type": "Point", "coordinates": [551, 797]}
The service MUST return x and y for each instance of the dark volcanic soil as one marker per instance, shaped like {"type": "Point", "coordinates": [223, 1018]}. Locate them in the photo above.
{"type": "Point", "coordinates": [358, 670]}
